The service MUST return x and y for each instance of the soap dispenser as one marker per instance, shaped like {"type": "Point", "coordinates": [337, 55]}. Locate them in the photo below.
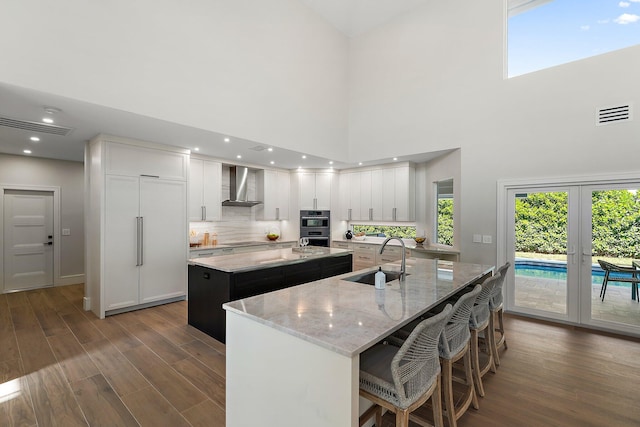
{"type": "Point", "coordinates": [380, 279]}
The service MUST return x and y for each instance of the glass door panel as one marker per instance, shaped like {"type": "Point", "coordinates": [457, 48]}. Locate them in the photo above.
{"type": "Point", "coordinates": [540, 246]}
{"type": "Point", "coordinates": [611, 232]}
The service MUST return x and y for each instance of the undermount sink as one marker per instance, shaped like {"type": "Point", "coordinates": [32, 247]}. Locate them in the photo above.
{"type": "Point", "coordinates": [370, 277]}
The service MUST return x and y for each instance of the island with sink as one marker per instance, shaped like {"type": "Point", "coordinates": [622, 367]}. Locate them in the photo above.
{"type": "Point", "coordinates": [220, 279]}
{"type": "Point", "coordinates": [294, 353]}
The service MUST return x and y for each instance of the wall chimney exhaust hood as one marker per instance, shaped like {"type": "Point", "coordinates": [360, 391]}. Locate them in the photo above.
{"type": "Point", "coordinates": [238, 177]}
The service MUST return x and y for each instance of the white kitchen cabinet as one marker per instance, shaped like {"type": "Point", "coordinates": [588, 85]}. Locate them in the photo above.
{"type": "Point", "coordinates": [136, 158]}
{"type": "Point", "coordinates": [314, 190]}
{"type": "Point", "coordinates": [137, 234]}
{"type": "Point", "coordinates": [205, 190]}
{"type": "Point", "coordinates": [398, 192]}
{"type": "Point", "coordinates": [145, 240]}
{"type": "Point", "coordinates": [273, 188]}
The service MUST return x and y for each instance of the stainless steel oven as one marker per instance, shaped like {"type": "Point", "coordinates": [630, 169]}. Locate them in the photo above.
{"type": "Point", "coordinates": [316, 226]}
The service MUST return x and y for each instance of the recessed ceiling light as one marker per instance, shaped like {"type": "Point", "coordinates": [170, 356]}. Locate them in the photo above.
{"type": "Point", "coordinates": [197, 149]}
{"type": "Point", "coordinates": [304, 157]}
{"type": "Point", "coordinates": [359, 163]}
{"type": "Point", "coordinates": [34, 139]}
{"type": "Point", "coordinates": [330, 162]}
{"type": "Point", "coordinates": [26, 151]}
{"type": "Point", "coordinates": [299, 167]}
{"type": "Point", "coordinates": [269, 149]}
{"type": "Point", "coordinates": [238, 156]}
{"type": "Point", "coordinates": [395, 159]}
{"type": "Point", "coordinates": [47, 120]}
{"type": "Point", "coordinates": [227, 140]}
{"type": "Point", "coordinates": [272, 162]}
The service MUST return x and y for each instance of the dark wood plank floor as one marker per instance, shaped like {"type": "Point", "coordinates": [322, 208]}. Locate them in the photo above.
{"type": "Point", "coordinates": [62, 366]}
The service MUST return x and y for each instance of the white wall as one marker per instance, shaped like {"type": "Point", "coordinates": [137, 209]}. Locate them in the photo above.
{"type": "Point", "coordinates": [269, 71]}
{"type": "Point", "coordinates": [434, 79]}
{"type": "Point", "coordinates": [69, 176]}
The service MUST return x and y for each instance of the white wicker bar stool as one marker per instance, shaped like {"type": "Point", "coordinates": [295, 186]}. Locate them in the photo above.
{"type": "Point", "coordinates": [454, 345]}
{"type": "Point", "coordinates": [479, 323]}
{"type": "Point", "coordinates": [401, 379]}
{"type": "Point", "coordinates": [496, 305]}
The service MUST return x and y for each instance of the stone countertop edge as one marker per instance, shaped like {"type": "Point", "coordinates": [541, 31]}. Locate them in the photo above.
{"type": "Point", "coordinates": [231, 245]}
{"type": "Point", "coordinates": [380, 328]}
{"type": "Point", "coordinates": [412, 246]}
{"type": "Point", "coordinates": [250, 261]}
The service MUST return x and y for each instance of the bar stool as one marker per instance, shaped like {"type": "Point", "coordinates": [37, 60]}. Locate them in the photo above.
{"type": "Point", "coordinates": [496, 305]}
{"type": "Point", "coordinates": [479, 322]}
{"type": "Point", "coordinates": [401, 379]}
{"type": "Point", "coordinates": [454, 345]}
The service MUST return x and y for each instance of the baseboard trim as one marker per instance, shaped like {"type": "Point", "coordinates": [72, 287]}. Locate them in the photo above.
{"type": "Point", "coordinates": [72, 279]}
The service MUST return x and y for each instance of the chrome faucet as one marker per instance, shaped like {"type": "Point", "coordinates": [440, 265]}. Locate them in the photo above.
{"type": "Point", "coordinates": [403, 268]}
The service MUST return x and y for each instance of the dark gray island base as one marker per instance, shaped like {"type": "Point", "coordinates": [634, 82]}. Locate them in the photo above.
{"type": "Point", "coordinates": [217, 280]}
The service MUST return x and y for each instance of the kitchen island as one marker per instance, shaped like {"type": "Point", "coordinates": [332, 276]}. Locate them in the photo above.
{"type": "Point", "coordinates": [216, 280]}
{"type": "Point", "coordinates": [293, 355]}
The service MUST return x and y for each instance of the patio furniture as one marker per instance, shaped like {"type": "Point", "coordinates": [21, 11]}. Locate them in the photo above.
{"type": "Point", "coordinates": [633, 278]}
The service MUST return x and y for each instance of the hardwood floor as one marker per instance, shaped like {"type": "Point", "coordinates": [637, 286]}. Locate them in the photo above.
{"type": "Point", "coordinates": [61, 366]}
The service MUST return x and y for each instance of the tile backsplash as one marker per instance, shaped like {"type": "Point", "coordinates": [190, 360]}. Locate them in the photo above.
{"type": "Point", "coordinates": [238, 223]}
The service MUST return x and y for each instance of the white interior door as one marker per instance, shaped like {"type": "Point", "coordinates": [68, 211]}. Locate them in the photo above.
{"type": "Point", "coordinates": [28, 239]}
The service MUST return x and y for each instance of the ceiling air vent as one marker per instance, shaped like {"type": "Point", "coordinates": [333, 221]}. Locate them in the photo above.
{"type": "Point", "coordinates": [34, 126]}
{"type": "Point", "coordinates": [607, 116]}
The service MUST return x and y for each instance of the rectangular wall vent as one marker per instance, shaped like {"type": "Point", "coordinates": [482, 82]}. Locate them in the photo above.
{"type": "Point", "coordinates": [34, 126]}
{"type": "Point", "coordinates": [609, 115]}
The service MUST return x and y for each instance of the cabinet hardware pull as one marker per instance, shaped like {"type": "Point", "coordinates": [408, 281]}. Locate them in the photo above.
{"type": "Point", "coordinates": [277, 213]}
{"type": "Point", "coordinates": [137, 241]}
{"type": "Point", "coordinates": [141, 240]}
{"type": "Point", "coordinates": [349, 216]}
{"type": "Point", "coordinates": [394, 214]}
{"type": "Point", "coordinates": [150, 176]}
{"type": "Point", "coordinates": [370, 214]}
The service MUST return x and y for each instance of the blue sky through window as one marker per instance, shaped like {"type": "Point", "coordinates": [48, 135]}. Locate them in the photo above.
{"type": "Point", "coordinates": [567, 30]}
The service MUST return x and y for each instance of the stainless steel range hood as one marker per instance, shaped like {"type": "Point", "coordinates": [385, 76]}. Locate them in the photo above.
{"type": "Point", "coordinates": [238, 177]}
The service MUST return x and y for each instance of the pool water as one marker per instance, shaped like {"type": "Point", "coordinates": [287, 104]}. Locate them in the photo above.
{"type": "Point", "coordinates": [558, 271]}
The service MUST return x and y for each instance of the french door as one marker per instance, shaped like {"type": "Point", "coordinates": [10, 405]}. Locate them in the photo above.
{"type": "Point", "coordinates": [554, 236]}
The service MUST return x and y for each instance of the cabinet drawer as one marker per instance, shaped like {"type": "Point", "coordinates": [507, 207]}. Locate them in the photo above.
{"type": "Point", "coordinates": [364, 249]}
{"type": "Point", "coordinates": [341, 245]}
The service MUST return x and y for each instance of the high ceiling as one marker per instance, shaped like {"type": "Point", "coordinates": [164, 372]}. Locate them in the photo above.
{"type": "Point", "coordinates": [352, 17]}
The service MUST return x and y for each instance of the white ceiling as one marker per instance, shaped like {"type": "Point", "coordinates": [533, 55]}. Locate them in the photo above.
{"type": "Point", "coordinates": [352, 17]}
{"type": "Point", "coordinates": [355, 17]}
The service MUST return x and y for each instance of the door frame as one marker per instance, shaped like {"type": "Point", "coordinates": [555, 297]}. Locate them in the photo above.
{"type": "Point", "coordinates": [56, 226]}
{"type": "Point", "coordinates": [502, 233]}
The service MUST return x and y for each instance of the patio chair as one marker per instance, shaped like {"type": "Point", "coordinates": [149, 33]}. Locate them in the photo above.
{"type": "Point", "coordinates": [633, 277]}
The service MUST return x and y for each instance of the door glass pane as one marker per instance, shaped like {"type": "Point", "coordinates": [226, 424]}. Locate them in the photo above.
{"type": "Point", "coordinates": [615, 238]}
{"type": "Point", "coordinates": [541, 251]}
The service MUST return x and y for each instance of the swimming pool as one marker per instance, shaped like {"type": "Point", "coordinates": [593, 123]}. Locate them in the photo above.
{"type": "Point", "coordinates": [557, 270]}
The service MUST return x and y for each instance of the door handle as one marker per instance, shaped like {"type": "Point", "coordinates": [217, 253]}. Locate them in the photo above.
{"type": "Point", "coordinates": [48, 243]}
{"type": "Point", "coordinates": [572, 252]}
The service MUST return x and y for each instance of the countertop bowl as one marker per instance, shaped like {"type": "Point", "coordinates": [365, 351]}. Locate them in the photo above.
{"type": "Point", "coordinates": [272, 237]}
{"type": "Point", "coordinates": [420, 240]}
{"type": "Point", "coordinates": [359, 238]}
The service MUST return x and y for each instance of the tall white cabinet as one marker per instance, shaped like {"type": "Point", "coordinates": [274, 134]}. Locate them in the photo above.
{"type": "Point", "coordinates": [137, 240]}
{"type": "Point", "coordinates": [272, 188]}
{"type": "Point", "coordinates": [205, 190]}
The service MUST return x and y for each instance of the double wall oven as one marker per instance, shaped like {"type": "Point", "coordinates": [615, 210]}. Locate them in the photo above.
{"type": "Point", "coordinates": [316, 226]}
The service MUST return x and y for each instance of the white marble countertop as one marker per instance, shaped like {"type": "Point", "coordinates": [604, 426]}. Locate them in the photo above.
{"type": "Point", "coordinates": [242, 244]}
{"type": "Point", "coordinates": [349, 317]}
{"type": "Point", "coordinates": [409, 245]}
{"type": "Point", "coordinates": [265, 259]}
